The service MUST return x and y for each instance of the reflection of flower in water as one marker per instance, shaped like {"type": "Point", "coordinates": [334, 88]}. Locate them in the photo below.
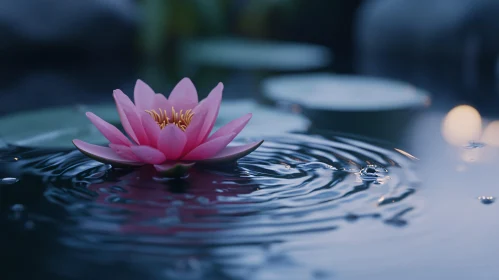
{"type": "Point", "coordinates": [139, 203]}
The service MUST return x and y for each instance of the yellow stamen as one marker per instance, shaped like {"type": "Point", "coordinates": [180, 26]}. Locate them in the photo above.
{"type": "Point", "coordinates": [181, 119]}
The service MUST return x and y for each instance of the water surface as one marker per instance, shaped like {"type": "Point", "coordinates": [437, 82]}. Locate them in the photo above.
{"type": "Point", "coordinates": [265, 217]}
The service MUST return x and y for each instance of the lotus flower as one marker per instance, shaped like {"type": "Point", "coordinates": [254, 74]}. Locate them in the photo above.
{"type": "Point", "coordinates": [171, 134]}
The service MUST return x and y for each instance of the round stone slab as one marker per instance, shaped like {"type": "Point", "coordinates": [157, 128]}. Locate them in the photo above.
{"type": "Point", "coordinates": [57, 127]}
{"type": "Point", "coordinates": [353, 104]}
{"type": "Point", "coordinates": [255, 55]}
{"type": "Point", "coordinates": [344, 93]}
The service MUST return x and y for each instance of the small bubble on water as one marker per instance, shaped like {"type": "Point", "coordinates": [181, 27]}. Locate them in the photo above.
{"type": "Point", "coordinates": [372, 173]}
{"type": "Point", "coordinates": [8, 181]}
{"type": "Point", "coordinates": [486, 199]}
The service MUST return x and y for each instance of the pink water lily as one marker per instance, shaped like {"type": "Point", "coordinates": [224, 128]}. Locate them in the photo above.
{"type": "Point", "coordinates": [171, 134]}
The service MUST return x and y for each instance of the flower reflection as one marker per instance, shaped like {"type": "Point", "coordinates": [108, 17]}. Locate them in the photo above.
{"type": "Point", "coordinates": [138, 203]}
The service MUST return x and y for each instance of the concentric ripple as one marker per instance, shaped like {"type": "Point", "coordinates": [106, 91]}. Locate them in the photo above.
{"type": "Point", "coordinates": [220, 222]}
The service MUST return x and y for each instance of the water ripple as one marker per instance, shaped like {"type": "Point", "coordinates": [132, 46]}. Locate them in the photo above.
{"type": "Point", "coordinates": [220, 222]}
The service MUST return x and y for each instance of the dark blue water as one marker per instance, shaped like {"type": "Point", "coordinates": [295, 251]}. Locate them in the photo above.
{"type": "Point", "coordinates": [271, 216]}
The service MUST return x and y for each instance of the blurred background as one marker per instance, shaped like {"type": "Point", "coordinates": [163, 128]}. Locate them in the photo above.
{"type": "Point", "coordinates": [59, 52]}
{"type": "Point", "coordinates": [423, 75]}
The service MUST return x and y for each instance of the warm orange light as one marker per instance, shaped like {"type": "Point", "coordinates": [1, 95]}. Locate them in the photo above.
{"type": "Point", "coordinates": [462, 125]}
{"type": "Point", "coordinates": [491, 134]}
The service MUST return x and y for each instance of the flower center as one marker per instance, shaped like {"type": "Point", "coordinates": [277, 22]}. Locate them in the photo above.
{"type": "Point", "coordinates": [181, 119]}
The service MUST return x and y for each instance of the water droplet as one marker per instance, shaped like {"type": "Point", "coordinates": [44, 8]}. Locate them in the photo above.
{"type": "Point", "coordinates": [373, 173]}
{"type": "Point", "coordinates": [9, 158]}
{"type": "Point", "coordinates": [29, 225]}
{"type": "Point", "coordinates": [8, 181]}
{"type": "Point", "coordinates": [486, 199]}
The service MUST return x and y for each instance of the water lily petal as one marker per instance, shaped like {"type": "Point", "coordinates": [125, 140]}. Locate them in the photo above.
{"type": "Point", "coordinates": [122, 101]}
{"type": "Point", "coordinates": [230, 154]}
{"type": "Point", "coordinates": [160, 102]}
{"type": "Point", "coordinates": [136, 124]}
{"type": "Point", "coordinates": [143, 95]}
{"type": "Point", "coordinates": [124, 152]}
{"type": "Point", "coordinates": [184, 96]}
{"type": "Point", "coordinates": [148, 154]}
{"type": "Point", "coordinates": [212, 105]}
{"type": "Point", "coordinates": [210, 148]}
{"type": "Point", "coordinates": [194, 128]}
{"type": "Point", "coordinates": [151, 128]}
{"type": "Point", "coordinates": [109, 131]}
{"type": "Point", "coordinates": [174, 170]}
{"type": "Point", "coordinates": [102, 154]}
{"type": "Point", "coordinates": [234, 126]}
{"type": "Point", "coordinates": [171, 142]}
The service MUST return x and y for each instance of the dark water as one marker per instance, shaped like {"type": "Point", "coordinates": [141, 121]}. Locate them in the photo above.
{"type": "Point", "coordinates": [271, 216]}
